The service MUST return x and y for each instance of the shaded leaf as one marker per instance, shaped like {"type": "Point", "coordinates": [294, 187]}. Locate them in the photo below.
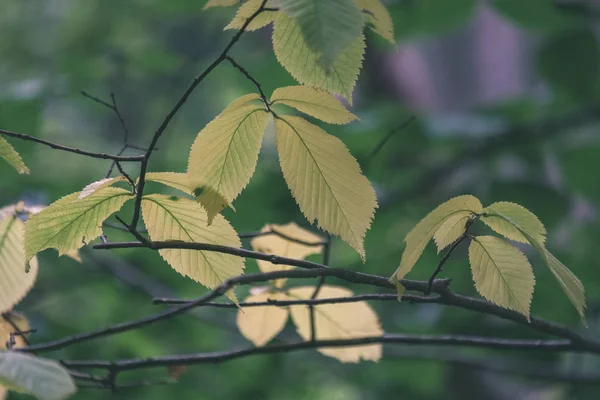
{"type": "Point", "coordinates": [313, 102]}
{"type": "Point", "coordinates": [184, 220]}
{"type": "Point", "coordinates": [10, 155]}
{"type": "Point", "coordinates": [451, 230]}
{"type": "Point", "coordinates": [569, 283]}
{"type": "Point", "coordinates": [502, 273]}
{"type": "Point", "coordinates": [224, 156]}
{"type": "Point", "coordinates": [294, 54]}
{"type": "Point", "coordinates": [328, 27]}
{"type": "Point", "coordinates": [261, 324]}
{"type": "Point", "coordinates": [246, 11]}
{"type": "Point", "coordinates": [510, 219]}
{"type": "Point", "coordinates": [273, 244]}
{"type": "Point", "coordinates": [39, 377]}
{"type": "Point", "coordinates": [325, 180]}
{"type": "Point", "coordinates": [338, 321]}
{"type": "Point", "coordinates": [378, 18]}
{"type": "Point", "coordinates": [421, 234]}
{"type": "Point", "coordinates": [69, 223]}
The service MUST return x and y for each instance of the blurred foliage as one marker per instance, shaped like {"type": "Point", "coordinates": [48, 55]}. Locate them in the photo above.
{"type": "Point", "coordinates": [147, 52]}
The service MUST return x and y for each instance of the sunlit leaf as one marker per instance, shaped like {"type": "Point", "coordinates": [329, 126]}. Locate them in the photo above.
{"type": "Point", "coordinates": [176, 180]}
{"type": "Point", "coordinates": [10, 155]}
{"type": "Point", "coordinates": [246, 11]}
{"type": "Point", "coordinates": [313, 102]}
{"type": "Point", "coordinates": [421, 234]}
{"type": "Point", "coordinates": [273, 244]}
{"type": "Point", "coordinates": [221, 3]}
{"type": "Point", "coordinates": [510, 219]}
{"type": "Point", "coordinates": [16, 279]}
{"type": "Point", "coordinates": [69, 223]}
{"type": "Point", "coordinates": [300, 61]}
{"type": "Point", "coordinates": [502, 273]}
{"type": "Point", "coordinates": [39, 377]}
{"type": "Point", "coordinates": [98, 185]}
{"type": "Point", "coordinates": [450, 230]}
{"type": "Point", "coordinates": [75, 255]}
{"type": "Point", "coordinates": [184, 220]}
{"type": "Point", "coordinates": [328, 27]}
{"type": "Point", "coordinates": [224, 156]}
{"type": "Point", "coordinates": [338, 321]}
{"type": "Point", "coordinates": [378, 18]}
{"type": "Point", "coordinates": [325, 180]}
{"type": "Point", "coordinates": [261, 324]}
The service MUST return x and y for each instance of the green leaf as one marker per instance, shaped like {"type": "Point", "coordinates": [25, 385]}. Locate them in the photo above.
{"type": "Point", "coordinates": [16, 280]}
{"type": "Point", "coordinates": [328, 27]}
{"type": "Point", "coordinates": [539, 15]}
{"type": "Point", "coordinates": [184, 220]}
{"type": "Point", "coordinates": [10, 155]}
{"type": "Point", "coordinates": [569, 61]}
{"type": "Point", "coordinates": [246, 11]}
{"type": "Point", "coordinates": [451, 230]}
{"type": "Point", "coordinates": [294, 54]}
{"type": "Point", "coordinates": [325, 180]}
{"type": "Point", "coordinates": [69, 223]}
{"type": "Point", "coordinates": [176, 180]}
{"type": "Point", "coordinates": [313, 102]}
{"type": "Point", "coordinates": [421, 234]}
{"type": "Point", "coordinates": [431, 17]}
{"type": "Point", "coordinates": [224, 156]}
{"type": "Point", "coordinates": [39, 377]}
{"type": "Point", "coordinates": [502, 273]}
{"type": "Point", "coordinates": [569, 283]}
{"type": "Point", "coordinates": [510, 220]}
{"type": "Point", "coordinates": [378, 18]}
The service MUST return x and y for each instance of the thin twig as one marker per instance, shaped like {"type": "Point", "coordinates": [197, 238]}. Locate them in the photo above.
{"type": "Point", "coordinates": [254, 81]}
{"type": "Point", "coordinates": [384, 140]}
{"type": "Point", "coordinates": [311, 308]}
{"type": "Point", "coordinates": [251, 235]}
{"type": "Point", "coordinates": [7, 317]}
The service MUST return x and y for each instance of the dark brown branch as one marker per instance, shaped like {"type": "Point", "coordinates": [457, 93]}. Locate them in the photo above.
{"type": "Point", "coordinates": [90, 154]}
{"type": "Point", "coordinates": [6, 316]}
{"type": "Point", "coordinates": [272, 231]}
{"type": "Point", "coordinates": [251, 79]}
{"type": "Point", "coordinates": [385, 139]}
{"type": "Point", "coordinates": [311, 308]}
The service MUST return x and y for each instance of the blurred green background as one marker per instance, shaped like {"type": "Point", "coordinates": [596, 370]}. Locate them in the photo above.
{"type": "Point", "coordinates": [507, 102]}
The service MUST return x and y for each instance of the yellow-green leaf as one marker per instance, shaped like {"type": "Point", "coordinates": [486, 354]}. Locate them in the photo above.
{"type": "Point", "coordinates": [176, 180]}
{"type": "Point", "coordinates": [301, 61]}
{"type": "Point", "coordinates": [98, 185]}
{"type": "Point", "coordinates": [184, 220]}
{"type": "Point", "coordinates": [10, 155]}
{"type": "Point", "coordinates": [224, 156]}
{"type": "Point", "coordinates": [510, 220]}
{"type": "Point", "coordinates": [502, 273]}
{"type": "Point", "coordinates": [421, 234]}
{"type": "Point", "coordinates": [246, 11]}
{"type": "Point", "coordinates": [261, 324]}
{"type": "Point", "coordinates": [328, 27]}
{"type": "Point", "coordinates": [45, 379]}
{"type": "Point", "coordinates": [314, 102]}
{"type": "Point", "coordinates": [451, 230]}
{"type": "Point", "coordinates": [69, 223]}
{"type": "Point", "coordinates": [325, 180]}
{"type": "Point", "coordinates": [569, 283]}
{"type": "Point", "coordinates": [378, 18]}
{"type": "Point", "coordinates": [15, 281]}
{"type": "Point", "coordinates": [221, 3]}
{"type": "Point", "coordinates": [338, 321]}
{"type": "Point", "coordinates": [274, 244]}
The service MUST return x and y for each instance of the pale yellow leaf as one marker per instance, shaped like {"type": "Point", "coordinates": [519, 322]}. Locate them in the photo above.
{"type": "Point", "coordinates": [6, 329]}
{"type": "Point", "coordinates": [246, 11]}
{"type": "Point", "coordinates": [224, 156]}
{"type": "Point", "coordinates": [421, 234]}
{"type": "Point", "coordinates": [294, 54]}
{"type": "Point", "coordinates": [220, 3]}
{"type": "Point", "coordinates": [509, 219]}
{"type": "Point", "coordinates": [378, 18]}
{"type": "Point", "coordinates": [15, 280]}
{"type": "Point", "coordinates": [502, 273]}
{"type": "Point", "coordinates": [325, 180]}
{"type": "Point", "coordinates": [69, 223]}
{"type": "Point", "coordinates": [75, 255]}
{"type": "Point", "coordinates": [338, 321]}
{"type": "Point", "coordinates": [10, 155]}
{"type": "Point", "coordinates": [169, 219]}
{"type": "Point", "coordinates": [314, 102]}
{"type": "Point", "coordinates": [176, 180]}
{"type": "Point", "coordinates": [451, 230]}
{"type": "Point", "coordinates": [245, 100]}
{"type": "Point", "coordinates": [261, 324]}
{"type": "Point", "coordinates": [98, 185]}
{"type": "Point", "coordinates": [273, 244]}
